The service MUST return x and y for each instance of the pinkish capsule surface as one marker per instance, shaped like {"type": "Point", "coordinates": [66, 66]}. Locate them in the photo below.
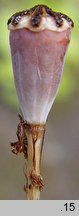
{"type": "Point", "coordinates": [39, 40]}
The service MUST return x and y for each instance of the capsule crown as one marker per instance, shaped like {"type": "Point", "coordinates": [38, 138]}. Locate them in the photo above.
{"type": "Point", "coordinates": [39, 18]}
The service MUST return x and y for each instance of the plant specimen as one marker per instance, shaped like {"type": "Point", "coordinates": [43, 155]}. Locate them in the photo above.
{"type": "Point", "coordinates": [39, 40]}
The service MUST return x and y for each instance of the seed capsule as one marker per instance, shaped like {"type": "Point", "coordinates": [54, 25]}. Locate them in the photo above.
{"type": "Point", "coordinates": [39, 40]}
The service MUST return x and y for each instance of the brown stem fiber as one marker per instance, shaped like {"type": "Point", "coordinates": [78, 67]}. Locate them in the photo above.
{"type": "Point", "coordinates": [30, 142]}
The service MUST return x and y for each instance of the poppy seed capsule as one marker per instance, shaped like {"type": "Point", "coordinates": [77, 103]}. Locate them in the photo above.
{"type": "Point", "coordinates": [39, 40]}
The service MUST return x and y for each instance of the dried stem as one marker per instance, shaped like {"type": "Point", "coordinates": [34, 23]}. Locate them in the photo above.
{"type": "Point", "coordinates": [30, 142]}
{"type": "Point", "coordinates": [35, 136]}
